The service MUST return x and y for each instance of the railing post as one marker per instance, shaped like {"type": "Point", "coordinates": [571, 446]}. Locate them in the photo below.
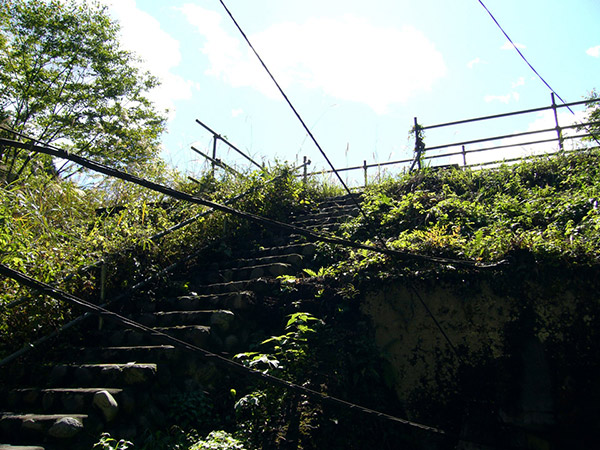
{"type": "Point", "coordinates": [365, 169]}
{"type": "Point", "coordinates": [102, 291]}
{"type": "Point", "coordinates": [558, 129]}
{"type": "Point", "coordinates": [305, 171]}
{"type": "Point", "coordinates": [464, 155]}
{"type": "Point", "coordinates": [214, 153]}
{"type": "Point", "coordinates": [419, 147]}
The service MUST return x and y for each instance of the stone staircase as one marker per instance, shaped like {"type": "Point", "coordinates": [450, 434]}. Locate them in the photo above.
{"type": "Point", "coordinates": [121, 380]}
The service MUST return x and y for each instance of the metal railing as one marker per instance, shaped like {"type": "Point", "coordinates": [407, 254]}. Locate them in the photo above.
{"type": "Point", "coordinates": [423, 154]}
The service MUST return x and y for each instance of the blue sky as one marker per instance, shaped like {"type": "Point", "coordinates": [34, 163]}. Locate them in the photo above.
{"type": "Point", "coordinates": [358, 72]}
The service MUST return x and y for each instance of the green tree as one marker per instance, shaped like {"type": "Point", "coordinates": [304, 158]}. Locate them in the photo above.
{"type": "Point", "coordinates": [65, 79]}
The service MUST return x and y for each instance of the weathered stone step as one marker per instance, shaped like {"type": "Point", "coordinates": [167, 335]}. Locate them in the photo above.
{"type": "Point", "coordinates": [346, 199]}
{"type": "Point", "coordinates": [27, 427]}
{"type": "Point", "coordinates": [185, 317]}
{"type": "Point", "coordinates": [328, 220]}
{"type": "Point", "coordinates": [238, 300]}
{"type": "Point", "coordinates": [328, 213]}
{"type": "Point", "coordinates": [195, 334]}
{"type": "Point", "coordinates": [124, 354]}
{"type": "Point", "coordinates": [304, 249]}
{"type": "Point", "coordinates": [19, 447]}
{"type": "Point", "coordinates": [231, 287]}
{"type": "Point", "coordinates": [293, 259]}
{"type": "Point", "coordinates": [63, 400]}
{"type": "Point", "coordinates": [273, 269]}
{"type": "Point", "coordinates": [93, 375]}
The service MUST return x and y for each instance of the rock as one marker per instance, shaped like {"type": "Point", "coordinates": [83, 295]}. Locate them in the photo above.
{"type": "Point", "coordinates": [231, 342]}
{"type": "Point", "coordinates": [107, 404]}
{"type": "Point", "coordinates": [58, 373]}
{"type": "Point", "coordinates": [48, 401]}
{"type": "Point", "coordinates": [128, 403]}
{"type": "Point", "coordinates": [73, 402]}
{"type": "Point", "coordinates": [223, 320]}
{"type": "Point", "coordinates": [65, 427]}
{"type": "Point", "coordinates": [33, 425]}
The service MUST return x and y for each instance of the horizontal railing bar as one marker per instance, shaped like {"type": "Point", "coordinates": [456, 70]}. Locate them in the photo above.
{"type": "Point", "coordinates": [495, 138]}
{"type": "Point", "coordinates": [218, 136]}
{"type": "Point", "coordinates": [514, 113]}
{"type": "Point", "coordinates": [218, 162]}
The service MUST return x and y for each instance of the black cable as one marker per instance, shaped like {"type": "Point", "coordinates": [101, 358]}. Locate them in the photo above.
{"type": "Point", "coordinates": [385, 249]}
{"type": "Point", "coordinates": [294, 110]}
{"type": "Point", "coordinates": [271, 223]}
{"type": "Point", "coordinates": [100, 311]}
{"type": "Point", "coordinates": [531, 66]}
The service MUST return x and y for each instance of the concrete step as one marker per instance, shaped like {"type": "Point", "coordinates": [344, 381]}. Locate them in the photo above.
{"type": "Point", "coordinates": [55, 400]}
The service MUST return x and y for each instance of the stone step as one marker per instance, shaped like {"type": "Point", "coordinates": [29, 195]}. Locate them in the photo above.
{"type": "Point", "coordinates": [31, 427]}
{"type": "Point", "coordinates": [186, 317]}
{"type": "Point", "coordinates": [19, 447]}
{"type": "Point", "coordinates": [195, 334]}
{"type": "Point", "coordinates": [304, 249]}
{"type": "Point", "coordinates": [293, 259]}
{"type": "Point", "coordinates": [236, 300]}
{"type": "Point", "coordinates": [125, 354]}
{"type": "Point", "coordinates": [328, 213]}
{"type": "Point", "coordinates": [93, 375]}
{"type": "Point", "coordinates": [346, 199]}
{"type": "Point", "coordinates": [230, 287]}
{"type": "Point", "coordinates": [273, 269]}
{"type": "Point", "coordinates": [64, 400]}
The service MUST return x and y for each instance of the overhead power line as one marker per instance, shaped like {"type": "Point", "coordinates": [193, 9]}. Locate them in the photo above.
{"type": "Point", "coordinates": [521, 53]}
{"type": "Point", "coordinates": [225, 362]}
{"type": "Point", "coordinates": [532, 68]}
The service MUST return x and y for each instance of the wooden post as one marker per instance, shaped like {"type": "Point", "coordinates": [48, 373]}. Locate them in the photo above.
{"type": "Point", "coordinates": [558, 129]}
{"type": "Point", "coordinates": [464, 154]}
{"type": "Point", "coordinates": [365, 169]}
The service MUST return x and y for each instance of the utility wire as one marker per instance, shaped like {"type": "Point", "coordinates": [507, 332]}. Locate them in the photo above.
{"type": "Point", "coordinates": [271, 223]}
{"type": "Point", "coordinates": [385, 248]}
{"type": "Point", "coordinates": [292, 107]}
{"type": "Point", "coordinates": [122, 320]}
{"type": "Point", "coordinates": [532, 68]}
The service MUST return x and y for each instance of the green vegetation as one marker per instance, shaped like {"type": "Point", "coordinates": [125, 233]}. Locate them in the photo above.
{"type": "Point", "coordinates": [50, 228]}
{"type": "Point", "coordinates": [64, 77]}
{"type": "Point", "coordinates": [547, 208]}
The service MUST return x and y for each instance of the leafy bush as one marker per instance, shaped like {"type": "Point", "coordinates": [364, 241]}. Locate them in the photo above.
{"type": "Point", "coordinates": [219, 440]}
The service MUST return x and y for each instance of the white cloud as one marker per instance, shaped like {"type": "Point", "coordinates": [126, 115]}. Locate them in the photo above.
{"type": "Point", "coordinates": [237, 112]}
{"type": "Point", "coordinates": [519, 82]}
{"type": "Point", "coordinates": [508, 46]}
{"type": "Point", "coordinates": [474, 62]}
{"type": "Point", "coordinates": [142, 34]}
{"type": "Point", "coordinates": [347, 58]}
{"type": "Point", "coordinates": [594, 51]}
{"type": "Point", "coordinates": [502, 98]}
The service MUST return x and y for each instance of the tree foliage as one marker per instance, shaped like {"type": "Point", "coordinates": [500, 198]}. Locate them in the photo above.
{"type": "Point", "coordinates": [64, 78]}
